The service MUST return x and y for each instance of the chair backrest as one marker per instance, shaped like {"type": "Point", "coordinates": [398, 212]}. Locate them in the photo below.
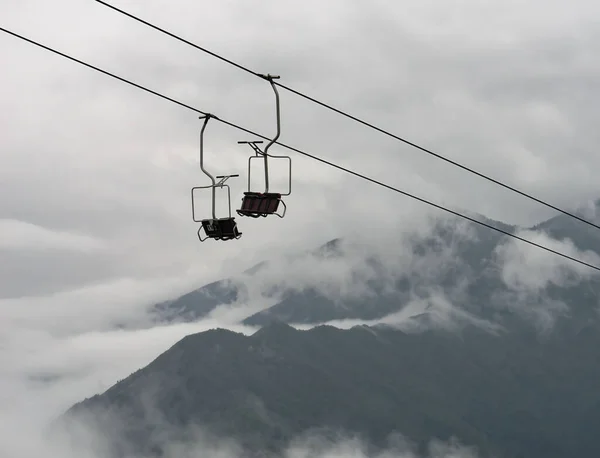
{"type": "Point", "coordinates": [228, 227]}
{"type": "Point", "coordinates": [260, 203]}
{"type": "Point", "coordinates": [272, 201]}
{"type": "Point", "coordinates": [222, 228]}
{"type": "Point", "coordinates": [212, 227]}
{"type": "Point", "coordinates": [251, 202]}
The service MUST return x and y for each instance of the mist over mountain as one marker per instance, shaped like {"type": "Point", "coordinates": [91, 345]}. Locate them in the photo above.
{"type": "Point", "coordinates": [467, 335]}
{"type": "Point", "coordinates": [469, 265]}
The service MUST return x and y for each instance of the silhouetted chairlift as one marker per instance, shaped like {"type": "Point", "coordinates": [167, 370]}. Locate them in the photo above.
{"type": "Point", "coordinates": [214, 228]}
{"type": "Point", "coordinates": [254, 203]}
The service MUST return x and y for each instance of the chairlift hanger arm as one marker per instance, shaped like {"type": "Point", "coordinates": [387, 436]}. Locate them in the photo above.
{"type": "Point", "coordinates": [264, 153]}
{"type": "Point", "coordinates": [206, 117]}
{"type": "Point", "coordinates": [269, 78]}
{"type": "Point", "coordinates": [256, 204]}
{"type": "Point", "coordinates": [277, 114]}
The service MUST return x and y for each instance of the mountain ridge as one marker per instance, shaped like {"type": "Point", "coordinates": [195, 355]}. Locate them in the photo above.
{"type": "Point", "coordinates": [267, 388]}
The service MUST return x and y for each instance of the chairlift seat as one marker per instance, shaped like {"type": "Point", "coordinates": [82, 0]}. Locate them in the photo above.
{"type": "Point", "coordinates": [255, 204]}
{"type": "Point", "coordinates": [220, 229]}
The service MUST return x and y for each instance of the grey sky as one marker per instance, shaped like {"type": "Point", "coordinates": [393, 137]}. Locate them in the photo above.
{"type": "Point", "coordinates": [95, 216]}
{"type": "Point", "coordinates": [503, 89]}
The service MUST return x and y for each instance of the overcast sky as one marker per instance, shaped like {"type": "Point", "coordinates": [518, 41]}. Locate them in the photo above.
{"type": "Point", "coordinates": [95, 217]}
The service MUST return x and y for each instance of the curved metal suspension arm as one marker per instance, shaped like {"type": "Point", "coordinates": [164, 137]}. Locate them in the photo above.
{"type": "Point", "coordinates": [270, 78]}
{"type": "Point", "coordinates": [277, 112]}
{"type": "Point", "coordinates": [212, 179]}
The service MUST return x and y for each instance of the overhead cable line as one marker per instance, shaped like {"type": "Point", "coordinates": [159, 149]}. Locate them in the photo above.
{"type": "Point", "coordinates": [324, 161]}
{"type": "Point", "coordinates": [354, 118]}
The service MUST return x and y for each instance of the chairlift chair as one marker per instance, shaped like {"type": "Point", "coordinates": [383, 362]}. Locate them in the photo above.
{"type": "Point", "coordinates": [214, 228]}
{"type": "Point", "coordinates": [254, 203]}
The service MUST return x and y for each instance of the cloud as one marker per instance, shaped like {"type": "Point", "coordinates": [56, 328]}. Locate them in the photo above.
{"type": "Point", "coordinates": [198, 442]}
{"type": "Point", "coordinates": [424, 269]}
{"type": "Point", "coordinates": [193, 440]}
{"type": "Point", "coordinates": [529, 273]}
{"type": "Point", "coordinates": [400, 447]}
{"type": "Point", "coordinates": [528, 267]}
{"type": "Point", "coordinates": [101, 307]}
{"type": "Point", "coordinates": [357, 267]}
{"type": "Point", "coordinates": [21, 235]}
{"type": "Point", "coordinates": [42, 375]}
